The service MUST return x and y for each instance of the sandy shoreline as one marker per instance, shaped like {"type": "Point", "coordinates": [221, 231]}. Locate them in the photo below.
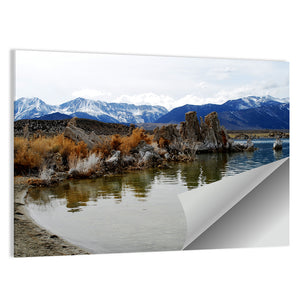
{"type": "Point", "coordinates": [32, 240]}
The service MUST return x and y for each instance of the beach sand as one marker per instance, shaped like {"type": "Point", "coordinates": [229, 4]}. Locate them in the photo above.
{"type": "Point", "coordinates": [29, 238]}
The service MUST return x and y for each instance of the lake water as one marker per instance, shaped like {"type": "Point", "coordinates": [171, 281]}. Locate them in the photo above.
{"type": "Point", "coordinates": [137, 211]}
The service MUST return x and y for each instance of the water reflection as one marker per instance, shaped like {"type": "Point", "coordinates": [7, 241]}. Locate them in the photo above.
{"type": "Point", "coordinates": [80, 193]}
{"type": "Point", "coordinates": [75, 194]}
{"type": "Point", "coordinates": [213, 167]}
{"type": "Point", "coordinates": [278, 154]}
{"type": "Point", "coordinates": [139, 185]}
{"type": "Point", "coordinates": [140, 182]}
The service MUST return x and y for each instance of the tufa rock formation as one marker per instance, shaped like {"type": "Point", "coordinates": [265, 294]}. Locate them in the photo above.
{"type": "Point", "coordinates": [277, 145]}
{"type": "Point", "coordinates": [190, 129]}
{"type": "Point", "coordinates": [168, 133]}
{"type": "Point", "coordinates": [208, 136]}
{"type": "Point", "coordinates": [77, 134]}
{"type": "Point", "coordinates": [214, 135]}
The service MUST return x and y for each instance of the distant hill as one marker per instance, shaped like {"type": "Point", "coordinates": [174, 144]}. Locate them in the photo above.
{"type": "Point", "coordinates": [272, 117]}
{"type": "Point", "coordinates": [54, 116]}
{"type": "Point", "coordinates": [244, 113]}
{"type": "Point", "coordinates": [55, 127]}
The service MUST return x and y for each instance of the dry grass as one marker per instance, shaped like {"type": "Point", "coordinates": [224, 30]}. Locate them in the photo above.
{"type": "Point", "coordinates": [123, 143]}
{"type": "Point", "coordinates": [32, 154]}
{"type": "Point", "coordinates": [104, 148]}
{"type": "Point", "coordinates": [267, 133]}
{"type": "Point", "coordinates": [35, 154]}
{"type": "Point", "coordinates": [163, 143]}
{"type": "Point", "coordinates": [85, 166]}
{"type": "Point", "coordinates": [24, 158]}
{"type": "Point", "coordinates": [127, 143]}
{"type": "Point", "coordinates": [116, 142]}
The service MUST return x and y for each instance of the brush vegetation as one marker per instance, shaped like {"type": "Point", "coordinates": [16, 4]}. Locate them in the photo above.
{"type": "Point", "coordinates": [34, 155]}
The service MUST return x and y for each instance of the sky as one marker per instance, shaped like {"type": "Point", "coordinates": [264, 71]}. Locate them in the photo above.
{"type": "Point", "coordinates": [57, 77]}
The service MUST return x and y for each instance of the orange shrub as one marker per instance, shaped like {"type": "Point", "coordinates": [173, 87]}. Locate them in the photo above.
{"type": "Point", "coordinates": [116, 142]}
{"type": "Point", "coordinates": [130, 142]}
{"type": "Point", "coordinates": [42, 145]}
{"type": "Point", "coordinates": [25, 158]}
{"type": "Point", "coordinates": [33, 153]}
{"type": "Point", "coordinates": [122, 143]}
{"type": "Point", "coordinates": [80, 150]}
{"type": "Point", "coordinates": [162, 143]}
{"type": "Point", "coordinates": [68, 148]}
{"type": "Point", "coordinates": [103, 148]}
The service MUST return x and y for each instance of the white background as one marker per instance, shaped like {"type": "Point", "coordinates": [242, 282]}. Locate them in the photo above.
{"type": "Point", "coordinates": [238, 29]}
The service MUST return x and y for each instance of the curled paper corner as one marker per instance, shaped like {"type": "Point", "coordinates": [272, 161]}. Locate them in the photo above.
{"type": "Point", "coordinates": [206, 205]}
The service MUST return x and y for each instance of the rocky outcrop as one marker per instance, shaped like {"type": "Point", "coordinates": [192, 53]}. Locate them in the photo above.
{"type": "Point", "coordinates": [142, 156]}
{"type": "Point", "coordinates": [146, 155]}
{"type": "Point", "coordinates": [277, 144]}
{"type": "Point", "coordinates": [212, 121]}
{"type": "Point", "coordinates": [141, 148]}
{"type": "Point", "coordinates": [190, 129]}
{"type": "Point", "coordinates": [213, 135]}
{"type": "Point", "coordinates": [150, 159]}
{"type": "Point", "coordinates": [250, 145]}
{"type": "Point", "coordinates": [208, 136]}
{"type": "Point", "coordinates": [168, 134]}
{"type": "Point", "coordinates": [115, 159]}
{"type": "Point", "coordinates": [77, 134]}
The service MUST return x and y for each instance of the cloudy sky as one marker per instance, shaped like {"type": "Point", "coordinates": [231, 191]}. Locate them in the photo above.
{"type": "Point", "coordinates": [56, 77]}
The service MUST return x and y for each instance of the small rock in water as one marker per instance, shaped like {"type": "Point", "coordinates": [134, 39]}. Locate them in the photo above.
{"type": "Point", "coordinates": [277, 145]}
{"type": "Point", "coordinates": [250, 145]}
{"type": "Point", "coordinates": [115, 158]}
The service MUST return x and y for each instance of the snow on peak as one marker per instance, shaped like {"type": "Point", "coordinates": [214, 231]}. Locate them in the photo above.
{"type": "Point", "coordinates": [121, 112]}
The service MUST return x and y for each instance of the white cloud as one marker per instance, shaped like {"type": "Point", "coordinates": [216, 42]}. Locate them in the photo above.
{"type": "Point", "coordinates": [205, 93]}
{"type": "Point", "coordinates": [146, 99]}
{"type": "Point", "coordinates": [221, 72]}
{"type": "Point", "coordinates": [92, 94]}
{"type": "Point", "coordinates": [56, 77]}
{"type": "Point", "coordinates": [262, 88]}
{"type": "Point", "coordinates": [189, 99]}
{"type": "Point", "coordinates": [142, 99]}
{"type": "Point", "coordinates": [164, 100]}
{"type": "Point", "coordinates": [202, 85]}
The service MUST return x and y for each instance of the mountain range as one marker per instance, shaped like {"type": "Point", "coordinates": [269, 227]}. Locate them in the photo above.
{"type": "Point", "coordinates": [244, 113]}
{"type": "Point", "coordinates": [35, 108]}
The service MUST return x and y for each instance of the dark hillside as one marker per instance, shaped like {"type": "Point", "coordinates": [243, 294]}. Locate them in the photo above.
{"type": "Point", "coordinates": [54, 127]}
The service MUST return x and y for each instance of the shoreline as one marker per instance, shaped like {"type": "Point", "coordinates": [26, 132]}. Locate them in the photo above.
{"type": "Point", "coordinates": [30, 239]}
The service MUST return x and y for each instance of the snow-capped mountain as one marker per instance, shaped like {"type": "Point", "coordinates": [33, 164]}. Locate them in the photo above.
{"type": "Point", "coordinates": [113, 112]}
{"type": "Point", "coordinates": [33, 108]}
{"type": "Point", "coordinates": [30, 108]}
{"type": "Point", "coordinates": [245, 113]}
{"type": "Point", "coordinates": [252, 102]}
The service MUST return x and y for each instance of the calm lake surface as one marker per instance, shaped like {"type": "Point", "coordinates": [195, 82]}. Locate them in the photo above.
{"type": "Point", "coordinates": [137, 211]}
